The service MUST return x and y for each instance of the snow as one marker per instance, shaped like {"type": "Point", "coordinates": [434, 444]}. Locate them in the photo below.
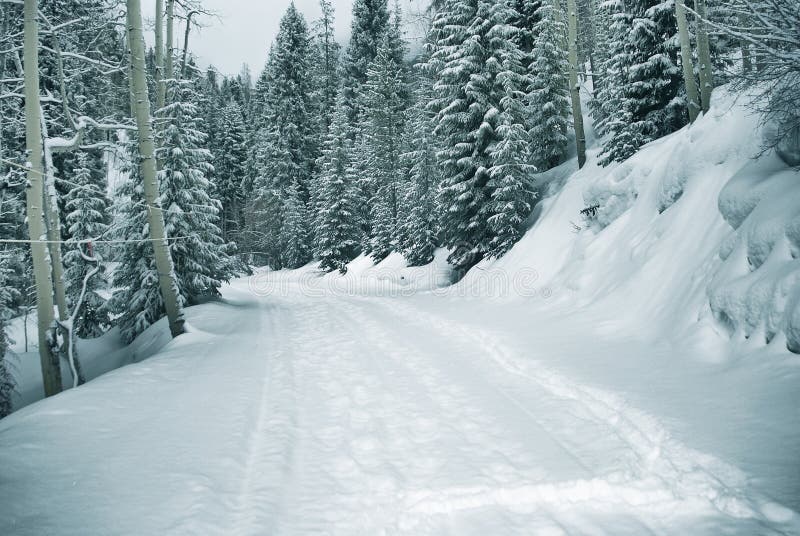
{"type": "Point", "coordinates": [585, 383]}
{"type": "Point", "coordinates": [97, 356]}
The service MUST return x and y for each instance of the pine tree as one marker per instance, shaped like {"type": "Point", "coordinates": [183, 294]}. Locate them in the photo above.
{"type": "Point", "coordinates": [339, 232]}
{"type": "Point", "coordinates": [86, 208]}
{"type": "Point", "coordinates": [614, 59]}
{"type": "Point", "coordinates": [230, 168]}
{"type": "Point", "coordinates": [191, 215]}
{"type": "Point", "coordinates": [138, 302]}
{"type": "Point", "coordinates": [418, 225]}
{"type": "Point", "coordinates": [526, 21]}
{"type": "Point", "coordinates": [296, 249]}
{"type": "Point", "coordinates": [384, 117]}
{"type": "Point", "coordinates": [359, 173]}
{"type": "Point", "coordinates": [287, 145]}
{"type": "Point", "coordinates": [479, 68]}
{"type": "Point", "coordinates": [326, 74]}
{"type": "Point", "coordinates": [640, 96]}
{"type": "Point", "coordinates": [288, 113]}
{"type": "Point", "coordinates": [549, 96]}
{"type": "Point", "coordinates": [510, 183]}
{"type": "Point", "coordinates": [370, 23]}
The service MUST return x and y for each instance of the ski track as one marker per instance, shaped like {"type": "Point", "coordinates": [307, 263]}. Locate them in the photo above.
{"type": "Point", "coordinates": [378, 418]}
{"type": "Point", "coordinates": [270, 450]}
{"type": "Point", "coordinates": [672, 471]}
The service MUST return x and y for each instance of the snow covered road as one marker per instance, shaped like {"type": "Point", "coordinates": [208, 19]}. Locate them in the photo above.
{"type": "Point", "coordinates": [290, 414]}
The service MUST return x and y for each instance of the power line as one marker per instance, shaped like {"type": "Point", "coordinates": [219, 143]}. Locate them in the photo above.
{"type": "Point", "coordinates": [79, 242]}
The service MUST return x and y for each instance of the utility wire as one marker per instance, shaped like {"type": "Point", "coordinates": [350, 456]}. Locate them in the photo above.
{"type": "Point", "coordinates": [78, 242]}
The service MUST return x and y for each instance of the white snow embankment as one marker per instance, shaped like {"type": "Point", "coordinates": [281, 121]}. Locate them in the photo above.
{"type": "Point", "coordinates": [97, 356]}
{"type": "Point", "coordinates": [697, 232]}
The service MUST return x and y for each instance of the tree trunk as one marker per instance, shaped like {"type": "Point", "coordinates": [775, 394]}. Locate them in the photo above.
{"type": "Point", "coordinates": [574, 87]}
{"type": "Point", "coordinates": [182, 73]}
{"type": "Point", "coordinates": [747, 61]}
{"type": "Point", "coordinates": [704, 57]}
{"type": "Point", "coordinates": [161, 87]}
{"type": "Point", "coordinates": [147, 163]}
{"type": "Point", "coordinates": [51, 373]}
{"type": "Point", "coordinates": [686, 61]}
{"type": "Point", "coordinates": [169, 71]}
{"type": "Point", "coordinates": [53, 224]}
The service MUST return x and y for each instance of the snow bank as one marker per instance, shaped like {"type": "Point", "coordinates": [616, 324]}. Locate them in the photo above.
{"type": "Point", "coordinates": [756, 292]}
{"type": "Point", "coordinates": [97, 356]}
{"type": "Point", "coordinates": [695, 232]}
{"type": "Point", "coordinates": [394, 273]}
{"type": "Point", "coordinates": [391, 277]}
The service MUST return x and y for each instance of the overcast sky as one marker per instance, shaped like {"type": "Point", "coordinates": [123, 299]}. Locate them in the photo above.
{"type": "Point", "coordinates": [246, 28]}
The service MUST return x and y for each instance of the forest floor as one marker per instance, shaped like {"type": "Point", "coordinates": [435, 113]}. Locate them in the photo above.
{"type": "Point", "coordinates": [287, 410]}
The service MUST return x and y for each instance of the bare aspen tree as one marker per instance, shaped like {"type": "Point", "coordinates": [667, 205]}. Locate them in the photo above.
{"type": "Point", "coordinates": [686, 61]}
{"type": "Point", "coordinates": [574, 86]}
{"type": "Point", "coordinates": [51, 373]}
{"type": "Point", "coordinates": [704, 56]}
{"type": "Point", "coordinates": [182, 72]}
{"type": "Point", "coordinates": [161, 87]}
{"type": "Point", "coordinates": [53, 224]}
{"type": "Point", "coordinates": [169, 71]}
{"type": "Point", "coordinates": [147, 164]}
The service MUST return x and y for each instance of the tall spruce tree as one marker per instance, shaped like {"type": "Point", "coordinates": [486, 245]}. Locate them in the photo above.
{"type": "Point", "coordinates": [641, 97]}
{"type": "Point", "coordinates": [480, 84]}
{"type": "Point", "coordinates": [384, 116]}
{"type": "Point", "coordinates": [288, 109]}
{"type": "Point", "coordinates": [295, 239]}
{"type": "Point", "coordinates": [418, 222]}
{"type": "Point", "coordinates": [191, 215]}
{"type": "Point", "coordinates": [549, 96]}
{"type": "Point", "coordinates": [370, 23]}
{"type": "Point", "coordinates": [339, 230]}
{"type": "Point", "coordinates": [326, 66]}
{"type": "Point", "coordinates": [230, 168]}
{"type": "Point", "coordinates": [288, 141]}
{"type": "Point", "coordinates": [137, 303]}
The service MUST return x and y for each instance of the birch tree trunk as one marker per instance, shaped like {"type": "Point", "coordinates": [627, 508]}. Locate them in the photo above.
{"type": "Point", "coordinates": [161, 87]}
{"type": "Point", "coordinates": [155, 216]}
{"type": "Point", "coordinates": [169, 70]}
{"type": "Point", "coordinates": [51, 372]}
{"type": "Point", "coordinates": [53, 223]}
{"type": "Point", "coordinates": [704, 57]}
{"type": "Point", "coordinates": [182, 73]}
{"type": "Point", "coordinates": [686, 61]}
{"type": "Point", "coordinates": [574, 87]}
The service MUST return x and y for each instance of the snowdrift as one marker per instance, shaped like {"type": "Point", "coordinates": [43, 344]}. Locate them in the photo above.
{"type": "Point", "coordinates": [698, 232]}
